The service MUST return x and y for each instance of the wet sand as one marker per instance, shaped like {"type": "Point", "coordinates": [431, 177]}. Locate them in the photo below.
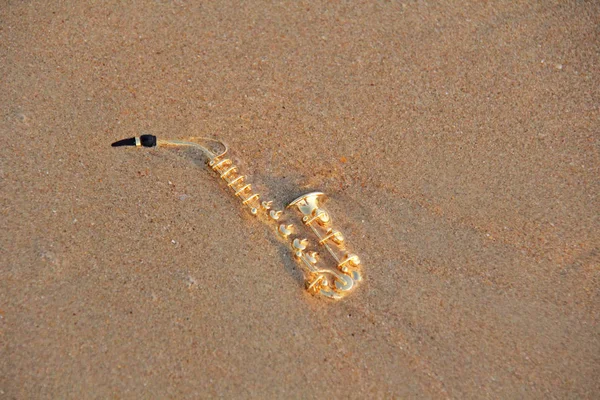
{"type": "Point", "coordinates": [457, 141]}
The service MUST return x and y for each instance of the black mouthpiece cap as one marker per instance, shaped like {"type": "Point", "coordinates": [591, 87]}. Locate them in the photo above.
{"type": "Point", "coordinates": [145, 140]}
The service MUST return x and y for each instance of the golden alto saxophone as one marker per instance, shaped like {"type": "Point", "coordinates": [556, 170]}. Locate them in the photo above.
{"type": "Point", "coordinates": [335, 282]}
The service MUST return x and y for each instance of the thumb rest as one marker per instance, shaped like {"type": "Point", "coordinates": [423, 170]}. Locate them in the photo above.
{"type": "Point", "coordinates": [334, 283]}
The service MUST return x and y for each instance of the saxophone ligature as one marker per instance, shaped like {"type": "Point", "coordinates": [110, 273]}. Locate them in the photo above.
{"type": "Point", "coordinates": [334, 283]}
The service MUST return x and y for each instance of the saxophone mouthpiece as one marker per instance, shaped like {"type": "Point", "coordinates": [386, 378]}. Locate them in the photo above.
{"type": "Point", "coordinates": [144, 140]}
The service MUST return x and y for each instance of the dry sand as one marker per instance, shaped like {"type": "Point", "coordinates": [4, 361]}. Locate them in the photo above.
{"type": "Point", "coordinates": [458, 142]}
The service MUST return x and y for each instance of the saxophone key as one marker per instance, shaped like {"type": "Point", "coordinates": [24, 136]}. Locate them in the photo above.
{"type": "Point", "coordinates": [249, 199]}
{"type": "Point", "coordinates": [351, 260]}
{"type": "Point", "coordinates": [228, 171]}
{"type": "Point", "coordinates": [286, 230]}
{"type": "Point", "coordinates": [298, 244]}
{"type": "Point", "coordinates": [275, 214]}
{"type": "Point", "coordinates": [319, 215]}
{"type": "Point", "coordinates": [243, 189]}
{"type": "Point", "coordinates": [334, 235]}
{"type": "Point", "coordinates": [218, 164]}
{"type": "Point", "coordinates": [239, 179]}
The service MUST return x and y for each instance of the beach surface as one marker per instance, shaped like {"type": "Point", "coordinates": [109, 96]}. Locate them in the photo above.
{"type": "Point", "coordinates": [457, 143]}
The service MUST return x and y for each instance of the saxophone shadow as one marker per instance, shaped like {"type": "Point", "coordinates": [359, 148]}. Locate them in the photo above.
{"type": "Point", "coordinates": [290, 265]}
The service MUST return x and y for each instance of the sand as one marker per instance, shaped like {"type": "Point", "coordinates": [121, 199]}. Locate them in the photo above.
{"type": "Point", "coordinates": [457, 141]}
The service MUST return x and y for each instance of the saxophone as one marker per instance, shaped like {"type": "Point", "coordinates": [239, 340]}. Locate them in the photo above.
{"type": "Point", "coordinates": [334, 283]}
